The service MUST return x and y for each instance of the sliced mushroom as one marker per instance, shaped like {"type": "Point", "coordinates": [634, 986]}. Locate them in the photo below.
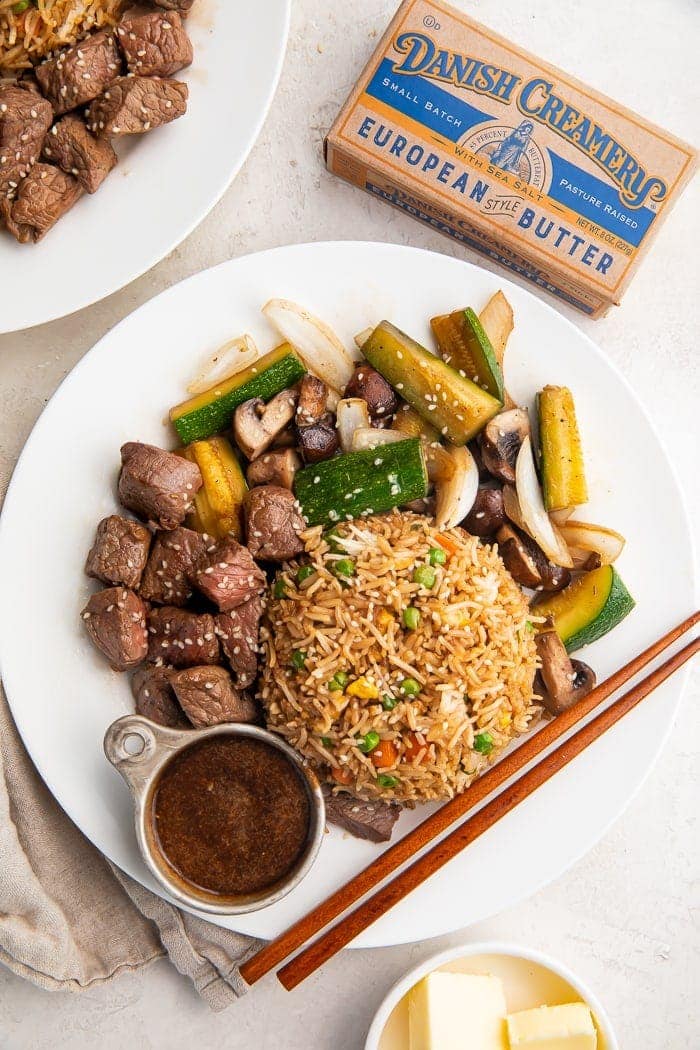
{"type": "Point", "coordinates": [527, 564]}
{"type": "Point", "coordinates": [274, 468]}
{"type": "Point", "coordinates": [313, 397]}
{"type": "Point", "coordinates": [561, 680]}
{"type": "Point", "coordinates": [319, 441]}
{"type": "Point", "coordinates": [256, 424]}
{"type": "Point", "coordinates": [373, 388]}
{"type": "Point", "coordinates": [487, 515]}
{"type": "Point", "coordinates": [501, 440]}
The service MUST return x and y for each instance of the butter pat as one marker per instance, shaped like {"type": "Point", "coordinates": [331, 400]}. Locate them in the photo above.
{"type": "Point", "coordinates": [456, 1011]}
{"type": "Point", "coordinates": [567, 1027]}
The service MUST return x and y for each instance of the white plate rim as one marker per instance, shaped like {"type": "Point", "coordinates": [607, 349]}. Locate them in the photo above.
{"type": "Point", "coordinates": [470, 949]}
{"type": "Point", "coordinates": [681, 678]}
{"type": "Point", "coordinates": [228, 175]}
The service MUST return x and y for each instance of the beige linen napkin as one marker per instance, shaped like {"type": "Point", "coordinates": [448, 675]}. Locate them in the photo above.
{"type": "Point", "coordinates": [69, 919]}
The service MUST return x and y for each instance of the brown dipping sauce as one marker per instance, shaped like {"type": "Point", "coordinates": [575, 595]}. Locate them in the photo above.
{"type": "Point", "coordinates": [231, 815]}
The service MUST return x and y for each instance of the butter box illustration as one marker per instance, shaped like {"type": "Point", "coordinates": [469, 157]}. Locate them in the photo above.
{"type": "Point", "coordinates": [470, 134]}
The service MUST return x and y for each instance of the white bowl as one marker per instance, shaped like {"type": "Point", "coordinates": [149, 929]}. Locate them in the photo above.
{"type": "Point", "coordinates": [530, 978]}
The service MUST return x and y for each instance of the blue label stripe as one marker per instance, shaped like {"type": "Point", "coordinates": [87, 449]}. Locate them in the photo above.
{"type": "Point", "coordinates": [424, 101]}
{"type": "Point", "coordinates": [449, 116]}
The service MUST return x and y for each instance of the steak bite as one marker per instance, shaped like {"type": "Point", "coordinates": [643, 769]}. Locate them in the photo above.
{"type": "Point", "coordinates": [228, 576]}
{"type": "Point", "coordinates": [365, 820]}
{"type": "Point", "coordinates": [70, 145]}
{"type": "Point", "coordinates": [154, 43]}
{"type": "Point", "coordinates": [238, 631]}
{"type": "Point", "coordinates": [155, 697]}
{"type": "Point", "coordinates": [120, 551]}
{"type": "Point", "coordinates": [134, 105]}
{"type": "Point", "coordinates": [115, 620]}
{"type": "Point", "coordinates": [208, 697]}
{"type": "Point", "coordinates": [43, 197]}
{"type": "Point", "coordinates": [181, 6]}
{"type": "Point", "coordinates": [273, 523]}
{"type": "Point", "coordinates": [180, 638]}
{"type": "Point", "coordinates": [171, 568]}
{"type": "Point", "coordinates": [25, 117]}
{"type": "Point", "coordinates": [80, 73]}
{"type": "Point", "coordinates": [157, 485]}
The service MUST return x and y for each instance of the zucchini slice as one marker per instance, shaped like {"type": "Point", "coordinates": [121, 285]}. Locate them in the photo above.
{"type": "Point", "coordinates": [408, 422]}
{"type": "Point", "coordinates": [455, 406]}
{"type": "Point", "coordinates": [358, 483]}
{"type": "Point", "coordinates": [464, 344]}
{"type": "Point", "coordinates": [588, 608]}
{"type": "Point", "coordinates": [563, 471]}
{"type": "Point", "coordinates": [218, 504]}
{"type": "Point", "coordinates": [210, 412]}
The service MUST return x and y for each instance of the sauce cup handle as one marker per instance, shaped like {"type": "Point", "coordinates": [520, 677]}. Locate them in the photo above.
{"type": "Point", "coordinates": [136, 747]}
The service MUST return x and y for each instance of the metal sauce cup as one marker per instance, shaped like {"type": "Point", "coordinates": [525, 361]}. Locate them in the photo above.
{"type": "Point", "coordinates": [140, 750]}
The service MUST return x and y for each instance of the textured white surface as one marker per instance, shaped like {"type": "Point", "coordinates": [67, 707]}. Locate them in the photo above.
{"type": "Point", "coordinates": [625, 917]}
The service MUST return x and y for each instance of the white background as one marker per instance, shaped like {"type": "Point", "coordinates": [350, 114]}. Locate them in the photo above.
{"type": "Point", "coordinates": [625, 918]}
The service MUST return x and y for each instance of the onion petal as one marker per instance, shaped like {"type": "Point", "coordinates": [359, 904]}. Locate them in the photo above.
{"type": "Point", "coordinates": [225, 362]}
{"type": "Point", "coordinates": [361, 338]}
{"type": "Point", "coordinates": [317, 344]}
{"type": "Point", "coordinates": [372, 437]}
{"type": "Point", "coordinates": [532, 508]}
{"type": "Point", "coordinates": [455, 493]}
{"type": "Point", "coordinates": [352, 414]}
{"type": "Point", "coordinates": [606, 542]}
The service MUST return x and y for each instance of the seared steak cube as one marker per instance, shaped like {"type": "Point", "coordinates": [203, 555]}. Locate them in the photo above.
{"type": "Point", "coordinates": [228, 576]}
{"type": "Point", "coordinates": [273, 523]}
{"type": "Point", "coordinates": [180, 638]}
{"type": "Point", "coordinates": [155, 44]}
{"type": "Point", "coordinates": [365, 820]}
{"type": "Point", "coordinates": [155, 697]}
{"type": "Point", "coordinates": [25, 117]}
{"type": "Point", "coordinates": [208, 697]}
{"type": "Point", "coordinates": [80, 73]}
{"type": "Point", "coordinates": [157, 485]}
{"type": "Point", "coordinates": [172, 565]}
{"type": "Point", "coordinates": [115, 620]}
{"type": "Point", "coordinates": [70, 145]}
{"type": "Point", "coordinates": [136, 104]}
{"type": "Point", "coordinates": [368, 384]}
{"type": "Point", "coordinates": [182, 6]}
{"type": "Point", "coordinates": [120, 551]}
{"type": "Point", "coordinates": [238, 631]}
{"type": "Point", "coordinates": [43, 197]}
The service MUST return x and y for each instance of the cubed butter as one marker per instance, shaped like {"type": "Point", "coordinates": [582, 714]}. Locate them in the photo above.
{"type": "Point", "coordinates": [566, 1027]}
{"type": "Point", "coordinates": [457, 1011]}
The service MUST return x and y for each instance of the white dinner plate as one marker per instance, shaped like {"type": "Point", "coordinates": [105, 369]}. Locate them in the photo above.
{"type": "Point", "coordinates": [62, 692]}
{"type": "Point", "coordinates": [166, 181]}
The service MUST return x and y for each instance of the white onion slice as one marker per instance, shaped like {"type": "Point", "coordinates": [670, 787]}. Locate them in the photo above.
{"type": "Point", "coordinates": [455, 493]}
{"type": "Point", "coordinates": [372, 437]}
{"type": "Point", "coordinates": [317, 344]}
{"type": "Point", "coordinates": [351, 414]}
{"type": "Point", "coordinates": [560, 517]}
{"type": "Point", "coordinates": [361, 338]}
{"type": "Point", "coordinates": [230, 358]}
{"type": "Point", "coordinates": [532, 508]}
{"type": "Point", "coordinates": [606, 542]}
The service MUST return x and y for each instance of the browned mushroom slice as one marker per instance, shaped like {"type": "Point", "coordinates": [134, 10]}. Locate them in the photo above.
{"type": "Point", "coordinates": [319, 441]}
{"type": "Point", "coordinates": [561, 680]}
{"type": "Point", "coordinates": [527, 564]}
{"type": "Point", "coordinates": [274, 468]}
{"type": "Point", "coordinates": [486, 515]}
{"type": "Point", "coordinates": [313, 396]}
{"type": "Point", "coordinates": [501, 439]}
{"type": "Point", "coordinates": [256, 424]}
{"type": "Point", "coordinates": [373, 388]}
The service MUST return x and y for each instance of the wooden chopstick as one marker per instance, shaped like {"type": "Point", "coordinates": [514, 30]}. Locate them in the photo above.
{"type": "Point", "coordinates": [308, 961]}
{"type": "Point", "coordinates": [405, 849]}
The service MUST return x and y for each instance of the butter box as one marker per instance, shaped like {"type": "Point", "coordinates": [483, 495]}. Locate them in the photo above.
{"type": "Point", "coordinates": [509, 155]}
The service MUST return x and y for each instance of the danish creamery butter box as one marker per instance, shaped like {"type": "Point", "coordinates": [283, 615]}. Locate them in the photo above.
{"type": "Point", "coordinates": [468, 133]}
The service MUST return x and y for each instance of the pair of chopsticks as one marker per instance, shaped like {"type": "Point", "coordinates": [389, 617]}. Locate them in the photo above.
{"type": "Point", "coordinates": [371, 909]}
